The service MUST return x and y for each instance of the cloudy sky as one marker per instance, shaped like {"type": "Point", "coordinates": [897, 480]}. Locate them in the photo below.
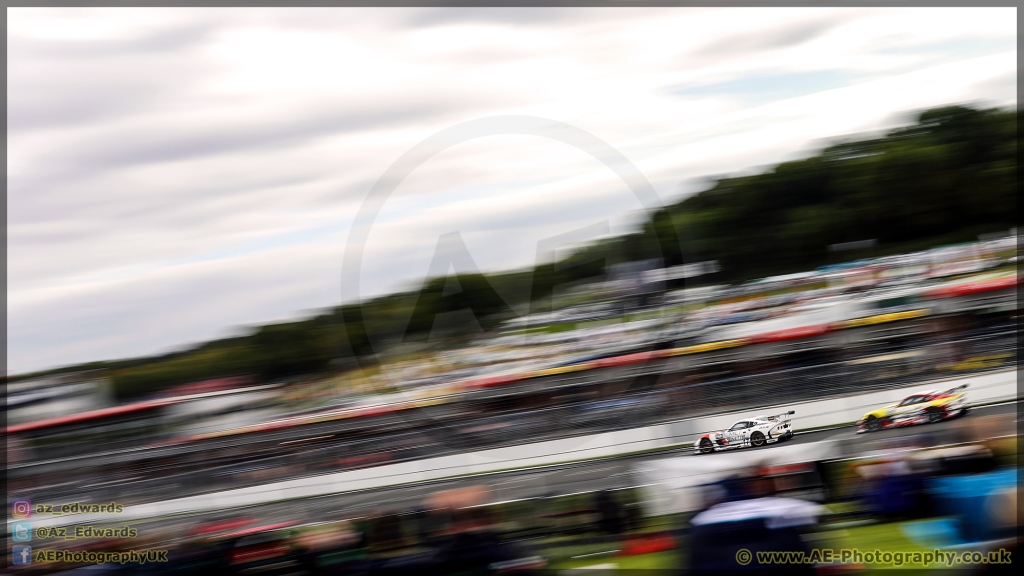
{"type": "Point", "coordinates": [175, 174]}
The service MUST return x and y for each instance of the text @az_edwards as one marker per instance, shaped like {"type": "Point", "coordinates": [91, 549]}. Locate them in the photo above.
{"type": "Point", "coordinates": [76, 532]}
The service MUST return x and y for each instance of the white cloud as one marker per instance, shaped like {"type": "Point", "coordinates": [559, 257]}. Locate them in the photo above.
{"type": "Point", "coordinates": [175, 172]}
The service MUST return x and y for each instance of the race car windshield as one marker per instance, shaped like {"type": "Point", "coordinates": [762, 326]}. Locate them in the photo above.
{"type": "Point", "coordinates": [911, 400]}
{"type": "Point", "coordinates": [738, 426]}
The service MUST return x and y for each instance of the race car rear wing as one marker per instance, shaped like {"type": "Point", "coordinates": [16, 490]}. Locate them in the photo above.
{"type": "Point", "coordinates": [784, 417]}
{"type": "Point", "coordinates": [954, 391]}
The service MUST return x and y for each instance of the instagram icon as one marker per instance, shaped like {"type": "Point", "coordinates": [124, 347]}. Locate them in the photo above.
{"type": "Point", "coordinates": [21, 508]}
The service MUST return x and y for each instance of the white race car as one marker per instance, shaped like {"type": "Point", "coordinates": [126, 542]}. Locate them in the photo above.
{"type": "Point", "coordinates": [746, 433]}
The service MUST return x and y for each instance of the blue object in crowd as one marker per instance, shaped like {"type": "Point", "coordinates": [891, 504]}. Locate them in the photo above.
{"type": "Point", "coordinates": [935, 533]}
{"type": "Point", "coordinates": [964, 497]}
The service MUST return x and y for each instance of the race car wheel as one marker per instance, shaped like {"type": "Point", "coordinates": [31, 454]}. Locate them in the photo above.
{"type": "Point", "coordinates": [934, 415]}
{"type": "Point", "coordinates": [757, 439]}
{"type": "Point", "coordinates": [873, 424]}
{"type": "Point", "coordinates": [705, 446]}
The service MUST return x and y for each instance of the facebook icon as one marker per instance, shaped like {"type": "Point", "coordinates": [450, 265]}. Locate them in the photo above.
{"type": "Point", "coordinates": [21, 554]}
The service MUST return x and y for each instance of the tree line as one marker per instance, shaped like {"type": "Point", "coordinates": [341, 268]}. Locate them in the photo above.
{"type": "Point", "coordinates": [947, 177]}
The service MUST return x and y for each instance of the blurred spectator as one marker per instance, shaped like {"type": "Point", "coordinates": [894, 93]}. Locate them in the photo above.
{"type": "Point", "coordinates": [610, 515]}
{"type": "Point", "coordinates": [200, 557]}
{"type": "Point", "coordinates": [721, 535]}
{"type": "Point", "coordinates": [331, 549]}
{"type": "Point", "coordinates": [1004, 510]}
{"type": "Point", "coordinates": [746, 514]}
{"type": "Point", "coordinates": [893, 490]}
{"type": "Point", "coordinates": [386, 532]}
{"type": "Point", "coordinates": [473, 544]}
{"type": "Point", "coordinates": [470, 544]}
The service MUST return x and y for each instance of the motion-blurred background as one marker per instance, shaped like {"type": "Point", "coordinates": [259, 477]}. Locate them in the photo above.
{"type": "Point", "coordinates": [837, 230]}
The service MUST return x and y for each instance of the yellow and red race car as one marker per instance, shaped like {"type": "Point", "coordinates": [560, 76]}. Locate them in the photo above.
{"type": "Point", "coordinates": [918, 408]}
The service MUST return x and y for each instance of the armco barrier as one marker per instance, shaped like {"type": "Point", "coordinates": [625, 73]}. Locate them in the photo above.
{"type": "Point", "coordinates": [984, 388]}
